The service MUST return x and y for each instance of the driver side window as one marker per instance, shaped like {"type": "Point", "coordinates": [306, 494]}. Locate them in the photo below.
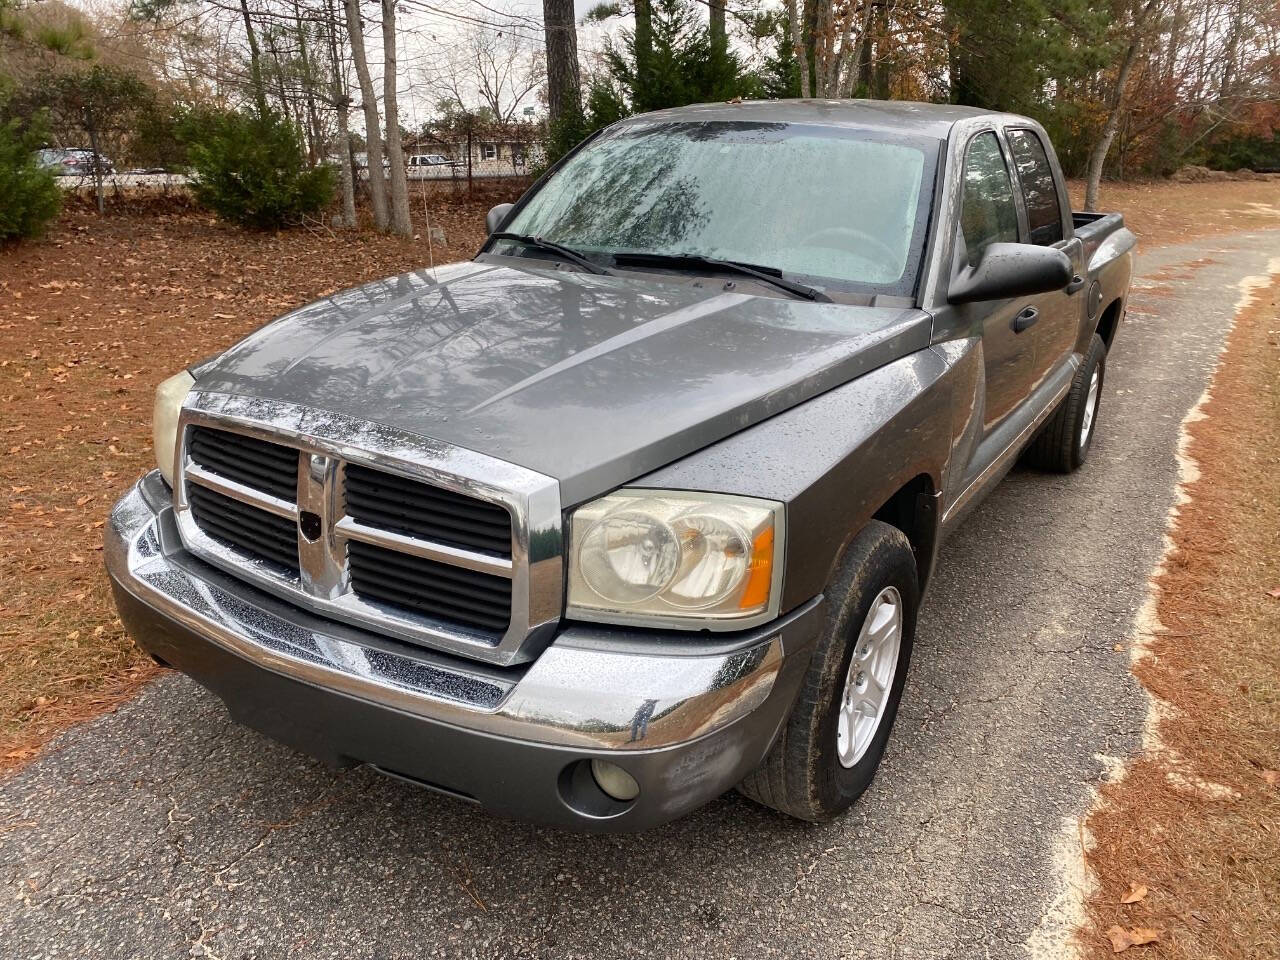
{"type": "Point", "coordinates": [987, 211]}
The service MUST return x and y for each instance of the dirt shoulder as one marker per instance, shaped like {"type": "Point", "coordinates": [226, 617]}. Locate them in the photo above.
{"type": "Point", "coordinates": [91, 319]}
{"type": "Point", "coordinates": [1191, 833]}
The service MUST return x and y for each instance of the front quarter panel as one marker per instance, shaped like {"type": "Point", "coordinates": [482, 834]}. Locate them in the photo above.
{"type": "Point", "coordinates": [838, 458]}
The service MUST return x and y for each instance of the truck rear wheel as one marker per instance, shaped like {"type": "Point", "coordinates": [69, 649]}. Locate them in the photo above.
{"type": "Point", "coordinates": [1064, 441]}
{"type": "Point", "coordinates": [831, 745]}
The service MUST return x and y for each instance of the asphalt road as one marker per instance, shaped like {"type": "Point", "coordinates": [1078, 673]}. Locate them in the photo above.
{"type": "Point", "coordinates": [164, 831]}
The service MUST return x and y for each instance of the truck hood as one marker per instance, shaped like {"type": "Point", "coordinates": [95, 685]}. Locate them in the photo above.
{"type": "Point", "coordinates": [593, 380]}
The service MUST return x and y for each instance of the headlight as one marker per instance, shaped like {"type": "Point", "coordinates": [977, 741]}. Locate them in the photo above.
{"type": "Point", "coordinates": [164, 421]}
{"type": "Point", "coordinates": [696, 560]}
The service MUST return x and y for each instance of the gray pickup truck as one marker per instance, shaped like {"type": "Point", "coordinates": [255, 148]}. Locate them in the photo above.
{"type": "Point", "coordinates": [638, 505]}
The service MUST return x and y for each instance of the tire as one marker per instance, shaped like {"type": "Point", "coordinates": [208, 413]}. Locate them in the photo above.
{"type": "Point", "coordinates": [804, 774]}
{"type": "Point", "coordinates": [1064, 441]}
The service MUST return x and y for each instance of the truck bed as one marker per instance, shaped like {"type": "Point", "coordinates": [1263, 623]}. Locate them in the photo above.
{"type": "Point", "coordinates": [1094, 228]}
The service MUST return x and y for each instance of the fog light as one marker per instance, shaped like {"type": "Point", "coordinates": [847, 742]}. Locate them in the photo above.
{"type": "Point", "coordinates": [614, 781]}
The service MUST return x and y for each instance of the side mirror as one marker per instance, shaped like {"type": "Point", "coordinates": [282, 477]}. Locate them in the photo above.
{"type": "Point", "coordinates": [1011, 270]}
{"type": "Point", "coordinates": [496, 217]}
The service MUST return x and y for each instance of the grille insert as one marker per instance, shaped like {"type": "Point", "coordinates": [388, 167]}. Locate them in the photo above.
{"type": "Point", "coordinates": [427, 588]}
{"type": "Point", "coordinates": [245, 528]}
{"type": "Point", "coordinates": [260, 464]}
{"type": "Point", "coordinates": [415, 509]}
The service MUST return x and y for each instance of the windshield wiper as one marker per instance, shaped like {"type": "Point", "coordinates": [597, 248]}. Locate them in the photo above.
{"type": "Point", "coordinates": [770, 275]}
{"type": "Point", "coordinates": [541, 243]}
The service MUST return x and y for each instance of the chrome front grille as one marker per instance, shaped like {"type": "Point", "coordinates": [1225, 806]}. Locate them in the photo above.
{"type": "Point", "coordinates": [380, 499]}
{"type": "Point", "coordinates": [268, 467]}
{"type": "Point", "coordinates": [408, 536]}
{"type": "Point", "coordinates": [430, 588]}
{"type": "Point", "coordinates": [263, 536]}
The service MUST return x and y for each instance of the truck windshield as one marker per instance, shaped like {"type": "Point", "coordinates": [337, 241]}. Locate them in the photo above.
{"type": "Point", "coordinates": [841, 208]}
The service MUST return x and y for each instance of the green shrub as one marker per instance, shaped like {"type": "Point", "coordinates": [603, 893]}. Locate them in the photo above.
{"type": "Point", "coordinates": [29, 195]}
{"type": "Point", "coordinates": [250, 169]}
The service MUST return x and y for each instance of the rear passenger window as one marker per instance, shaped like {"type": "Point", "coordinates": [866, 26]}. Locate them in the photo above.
{"type": "Point", "coordinates": [987, 212]}
{"type": "Point", "coordinates": [1044, 213]}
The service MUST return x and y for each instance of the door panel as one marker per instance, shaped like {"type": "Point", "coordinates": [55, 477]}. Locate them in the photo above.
{"type": "Point", "coordinates": [1053, 336]}
{"type": "Point", "coordinates": [988, 214]}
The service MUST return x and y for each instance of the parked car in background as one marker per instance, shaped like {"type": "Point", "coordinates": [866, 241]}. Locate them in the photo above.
{"type": "Point", "coordinates": [430, 160]}
{"type": "Point", "coordinates": [74, 162]}
{"type": "Point", "coordinates": [638, 505]}
{"type": "Point", "coordinates": [430, 166]}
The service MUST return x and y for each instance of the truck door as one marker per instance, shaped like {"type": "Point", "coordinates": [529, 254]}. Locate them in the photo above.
{"type": "Point", "coordinates": [1055, 316]}
{"type": "Point", "coordinates": [989, 214]}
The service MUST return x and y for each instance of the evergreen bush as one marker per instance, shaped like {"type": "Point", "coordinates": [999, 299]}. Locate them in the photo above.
{"type": "Point", "coordinates": [29, 194]}
{"type": "Point", "coordinates": [250, 169]}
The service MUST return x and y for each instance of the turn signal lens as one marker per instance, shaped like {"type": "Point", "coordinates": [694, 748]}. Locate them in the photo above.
{"type": "Point", "coordinates": [760, 576]}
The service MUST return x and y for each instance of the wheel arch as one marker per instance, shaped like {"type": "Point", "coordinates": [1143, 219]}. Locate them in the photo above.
{"type": "Point", "coordinates": [1109, 321]}
{"type": "Point", "coordinates": [913, 509]}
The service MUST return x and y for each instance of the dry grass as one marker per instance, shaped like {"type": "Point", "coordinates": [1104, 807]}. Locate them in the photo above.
{"type": "Point", "coordinates": [1196, 819]}
{"type": "Point", "coordinates": [90, 320]}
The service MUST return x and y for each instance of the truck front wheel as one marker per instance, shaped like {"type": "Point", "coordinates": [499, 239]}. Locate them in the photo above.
{"type": "Point", "coordinates": [831, 745]}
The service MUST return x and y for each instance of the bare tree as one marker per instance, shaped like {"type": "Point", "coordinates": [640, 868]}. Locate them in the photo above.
{"type": "Point", "coordinates": [496, 68]}
{"type": "Point", "coordinates": [1135, 35]}
{"type": "Point", "coordinates": [341, 100]}
{"type": "Point", "coordinates": [797, 46]}
{"type": "Point", "coordinates": [372, 123]}
{"type": "Point", "coordinates": [308, 84]}
{"type": "Point", "coordinates": [400, 223]}
{"type": "Point", "coordinates": [838, 36]}
{"type": "Point", "coordinates": [255, 60]}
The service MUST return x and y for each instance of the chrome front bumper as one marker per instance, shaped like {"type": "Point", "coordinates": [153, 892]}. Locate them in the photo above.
{"type": "Point", "coordinates": [687, 716]}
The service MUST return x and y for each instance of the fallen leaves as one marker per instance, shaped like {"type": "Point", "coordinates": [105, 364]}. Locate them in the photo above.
{"type": "Point", "coordinates": [1136, 892]}
{"type": "Point", "coordinates": [1122, 939]}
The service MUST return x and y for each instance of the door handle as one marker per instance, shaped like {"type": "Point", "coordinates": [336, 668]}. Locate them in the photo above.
{"type": "Point", "coordinates": [1026, 318]}
{"type": "Point", "coordinates": [1077, 283]}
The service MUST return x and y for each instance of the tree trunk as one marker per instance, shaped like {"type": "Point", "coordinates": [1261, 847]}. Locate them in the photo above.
{"type": "Point", "coordinates": [822, 40]}
{"type": "Point", "coordinates": [851, 59]}
{"type": "Point", "coordinates": [564, 96]}
{"type": "Point", "coordinates": [255, 61]}
{"type": "Point", "coordinates": [308, 87]}
{"type": "Point", "coordinates": [91, 125]}
{"type": "Point", "coordinates": [1233, 47]}
{"type": "Point", "coordinates": [373, 136]}
{"type": "Point", "coordinates": [281, 93]}
{"type": "Point", "coordinates": [1098, 156]}
{"type": "Point", "coordinates": [797, 46]}
{"type": "Point", "coordinates": [401, 226]}
{"type": "Point", "coordinates": [809, 28]}
{"type": "Point", "coordinates": [719, 46]}
{"type": "Point", "coordinates": [644, 56]}
{"type": "Point", "coordinates": [342, 104]}
{"type": "Point", "coordinates": [719, 39]}
{"type": "Point", "coordinates": [839, 50]}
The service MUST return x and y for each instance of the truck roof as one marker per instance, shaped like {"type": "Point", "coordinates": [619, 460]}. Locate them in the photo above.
{"type": "Point", "coordinates": [929, 119]}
